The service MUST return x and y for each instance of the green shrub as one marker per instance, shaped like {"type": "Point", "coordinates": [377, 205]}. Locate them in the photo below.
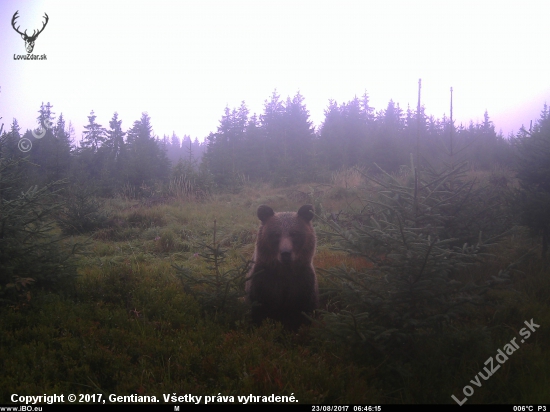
{"type": "Point", "coordinates": [82, 213]}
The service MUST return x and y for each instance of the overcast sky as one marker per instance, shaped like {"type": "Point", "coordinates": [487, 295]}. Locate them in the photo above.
{"type": "Point", "coordinates": [183, 62]}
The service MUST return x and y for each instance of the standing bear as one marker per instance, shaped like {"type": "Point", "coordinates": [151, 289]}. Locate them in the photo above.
{"type": "Point", "coordinates": [282, 282]}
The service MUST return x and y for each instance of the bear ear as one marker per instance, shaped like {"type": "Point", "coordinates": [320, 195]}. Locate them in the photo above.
{"type": "Point", "coordinates": [306, 212]}
{"type": "Point", "coordinates": [264, 213]}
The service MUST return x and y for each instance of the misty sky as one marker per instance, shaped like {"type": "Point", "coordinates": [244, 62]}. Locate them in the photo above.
{"type": "Point", "coordinates": [184, 61]}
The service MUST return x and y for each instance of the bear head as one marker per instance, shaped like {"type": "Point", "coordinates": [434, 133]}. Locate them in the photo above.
{"type": "Point", "coordinates": [287, 238]}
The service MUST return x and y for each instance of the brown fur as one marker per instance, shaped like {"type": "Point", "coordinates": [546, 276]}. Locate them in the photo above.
{"type": "Point", "coordinates": [282, 282]}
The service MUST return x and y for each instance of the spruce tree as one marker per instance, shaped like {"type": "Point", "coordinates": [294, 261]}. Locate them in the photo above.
{"type": "Point", "coordinates": [147, 162]}
{"type": "Point", "coordinates": [114, 155]}
{"type": "Point", "coordinates": [31, 251]}
{"type": "Point", "coordinates": [11, 142]}
{"type": "Point", "coordinates": [297, 140]}
{"type": "Point", "coordinates": [226, 148]}
{"type": "Point", "coordinates": [94, 134]}
{"type": "Point", "coordinates": [90, 161]}
{"type": "Point", "coordinates": [272, 129]}
{"type": "Point", "coordinates": [533, 172]}
{"type": "Point", "coordinates": [415, 243]}
{"type": "Point", "coordinates": [60, 151]}
{"type": "Point", "coordinates": [114, 141]}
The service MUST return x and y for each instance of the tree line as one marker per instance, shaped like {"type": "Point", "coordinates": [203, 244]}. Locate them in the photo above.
{"type": "Point", "coordinates": [280, 146]}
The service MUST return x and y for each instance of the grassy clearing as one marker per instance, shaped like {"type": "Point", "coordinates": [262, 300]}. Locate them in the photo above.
{"type": "Point", "coordinates": [127, 326]}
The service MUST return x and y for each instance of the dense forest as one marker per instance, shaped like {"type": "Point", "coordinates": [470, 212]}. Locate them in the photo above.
{"type": "Point", "coordinates": [279, 146]}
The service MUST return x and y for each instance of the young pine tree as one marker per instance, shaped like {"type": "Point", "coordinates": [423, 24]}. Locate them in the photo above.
{"type": "Point", "coordinates": [31, 252]}
{"type": "Point", "coordinates": [533, 172]}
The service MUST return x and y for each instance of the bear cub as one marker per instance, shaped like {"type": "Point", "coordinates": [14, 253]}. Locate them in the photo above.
{"type": "Point", "coordinates": [282, 282]}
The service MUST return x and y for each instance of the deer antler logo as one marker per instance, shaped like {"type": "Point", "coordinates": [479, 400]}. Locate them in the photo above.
{"type": "Point", "coordinates": [29, 40]}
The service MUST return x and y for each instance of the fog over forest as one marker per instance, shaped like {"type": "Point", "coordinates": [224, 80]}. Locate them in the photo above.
{"type": "Point", "coordinates": [280, 145]}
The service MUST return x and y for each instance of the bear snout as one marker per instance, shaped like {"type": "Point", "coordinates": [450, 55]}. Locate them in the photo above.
{"type": "Point", "coordinates": [285, 249]}
{"type": "Point", "coordinates": [286, 256]}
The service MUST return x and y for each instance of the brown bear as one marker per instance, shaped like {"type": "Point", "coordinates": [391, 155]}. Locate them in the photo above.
{"type": "Point", "coordinates": [282, 282]}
